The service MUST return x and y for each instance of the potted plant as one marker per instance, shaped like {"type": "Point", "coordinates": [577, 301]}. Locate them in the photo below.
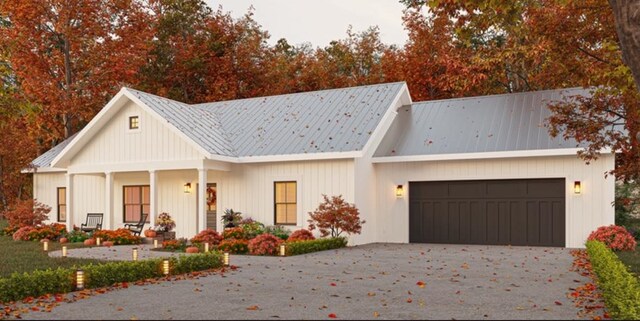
{"type": "Point", "coordinates": [164, 226]}
{"type": "Point", "coordinates": [231, 218]}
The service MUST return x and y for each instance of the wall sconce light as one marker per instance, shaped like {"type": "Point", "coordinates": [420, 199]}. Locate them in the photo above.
{"type": "Point", "coordinates": [155, 244]}
{"type": "Point", "coordinates": [135, 254]}
{"type": "Point", "coordinates": [45, 245]}
{"type": "Point", "coordinates": [98, 241]}
{"type": "Point", "coordinates": [577, 187]}
{"type": "Point", "coordinates": [79, 279]}
{"type": "Point", "coordinates": [226, 259]}
{"type": "Point", "coordinates": [399, 191]}
{"type": "Point", "coordinates": [165, 266]}
{"type": "Point", "coordinates": [64, 251]}
{"type": "Point", "coordinates": [283, 250]}
{"type": "Point", "coordinates": [187, 188]}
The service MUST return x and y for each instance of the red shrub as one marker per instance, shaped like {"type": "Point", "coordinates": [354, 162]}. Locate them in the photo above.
{"type": "Point", "coordinates": [174, 245]}
{"type": "Point", "coordinates": [265, 244]}
{"type": "Point", "coordinates": [234, 246]}
{"type": "Point", "coordinates": [32, 233]}
{"type": "Point", "coordinates": [27, 213]}
{"type": "Point", "coordinates": [335, 216]}
{"type": "Point", "coordinates": [615, 237]}
{"type": "Point", "coordinates": [207, 236]}
{"type": "Point", "coordinates": [192, 249]}
{"type": "Point", "coordinates": [234, 233]}
{"type": "Point", "coordinates": [22, 234]}
{"type": "Point", "coordinates": [301, 235]}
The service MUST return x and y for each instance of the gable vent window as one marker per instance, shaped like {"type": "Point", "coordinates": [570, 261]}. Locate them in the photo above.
{"type": "Point", "coordinates": [134, 122]}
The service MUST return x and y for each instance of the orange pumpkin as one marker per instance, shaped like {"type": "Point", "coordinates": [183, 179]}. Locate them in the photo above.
{"type": "Point", "coordinates": [150, 233]}
{"type": "Point", "coordinates": [63, 240]}
{"type": "Point", "coordinates": [192, 249]}
{"type": "Point", "coordinates": [89, 242]}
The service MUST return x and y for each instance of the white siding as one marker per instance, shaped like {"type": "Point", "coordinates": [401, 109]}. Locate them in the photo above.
{"type": "Point", "coordinates": [584, 213]}
{"type": "Point", "coordinates": [45, 188]}
{"type": "Point", "coordinates": [88, 197]}
{"type": "Point", "coordinates": [116, 144]}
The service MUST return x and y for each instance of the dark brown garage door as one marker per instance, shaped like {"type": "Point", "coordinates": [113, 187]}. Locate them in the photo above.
{"type": "Point", "coordinates": [497, 212]}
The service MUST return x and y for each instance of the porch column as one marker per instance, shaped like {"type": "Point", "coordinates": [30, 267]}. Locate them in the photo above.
{"type": "Point", "coordinates": [202, 199]}
{"type": "Point", "coordinates": [69, 202]}
{"type": "Point", "coordinates": [153, 197]}
{"type": "Point", "coordinates": [108, 201]}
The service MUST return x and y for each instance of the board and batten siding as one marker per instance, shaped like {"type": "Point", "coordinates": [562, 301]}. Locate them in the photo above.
{"type": "Point", "coordinates": [117, 144]}
{"type": "Point", "coordinates": [45, 189]}
{"type": "Point", "coordinates": [584, 213]}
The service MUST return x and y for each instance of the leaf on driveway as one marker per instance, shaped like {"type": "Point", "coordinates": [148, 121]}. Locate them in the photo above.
{"type": "Point", "coordinates": [333, 316]}
{"type": "Point", "coordinates": [376, 314]}
{"type": "Point", "coordinates": [420, 284]}
{"type": "Point", "coordinates": [558, 303]}
{"type": "Point", "coordinates": [253, 308]}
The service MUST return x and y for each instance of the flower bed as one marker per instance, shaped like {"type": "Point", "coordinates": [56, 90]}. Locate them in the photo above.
{"type": "Point", "coordinates": [621, 289]}
{"type": "Point", "coordinates": [120, 236]}
{"type": "Point", "coordinates": [19, 286]}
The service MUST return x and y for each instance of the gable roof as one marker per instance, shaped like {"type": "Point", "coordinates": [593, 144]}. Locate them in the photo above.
{"type": "Point", "coordinates": [485, 124]}
{"type": "Point", "coordinates": [44, 160]}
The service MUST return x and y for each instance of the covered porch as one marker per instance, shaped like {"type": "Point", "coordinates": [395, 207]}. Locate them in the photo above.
{"type": "Point", "coordinates": [123, 192]}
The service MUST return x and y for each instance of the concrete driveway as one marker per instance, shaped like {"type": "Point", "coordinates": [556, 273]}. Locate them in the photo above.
{"type": "Point", "coordinates": [365, 282]}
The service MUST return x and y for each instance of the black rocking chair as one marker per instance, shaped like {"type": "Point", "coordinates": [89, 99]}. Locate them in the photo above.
{"type": "Point", "coordinates": [93, 223]}
{"type": "Point", "coordinates": [136, 228]}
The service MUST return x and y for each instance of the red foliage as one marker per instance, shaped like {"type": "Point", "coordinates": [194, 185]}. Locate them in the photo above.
{"type": "Point", "coordinates": [615, 237]}
{"type": "Point", "coordinates": [234, 246]}
{"type": "Point", "coordinates": [335, 216]}
{"type": "Point", "coordinates": [207, 236]}
{"type": "Point", "coordinates": [120, 236]}
{"type": "Point", "coordinates": [265, 244]}
{"type": "Point", "coordinates": [192, 249]}
{"type": "Point", "coordinates": [27, 213]}
{"type": "Point", "coordinates": [234, 233]}
{"type": "Point", "coordinates": [588, 299]}
{"type": "Point", "coordinates": [33, 233]}
{"type": "Point", "coordinates": [301, 235]}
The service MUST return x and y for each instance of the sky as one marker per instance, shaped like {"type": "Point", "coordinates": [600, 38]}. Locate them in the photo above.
{"type": "Point", "coordinates": [319, 22]}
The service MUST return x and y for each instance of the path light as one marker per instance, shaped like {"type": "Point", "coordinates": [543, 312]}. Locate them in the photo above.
{"type": "Point", "coordinates": [577, 187]}
{"type": "Point", "coordinates": [283, 250]}
{"type": "Point", "coordinates": [80, 279]}
{"type": "Point", "coordinates": [399, 191]}
{"type": "Point", "coordinates": [226, 259]}
{"type": "Point", "coordinates": [98, 241]}
{"type": "Point", "coordinates": [206, 247]}
{"type": "Point", "coordinates": [45, 245]}
{"type": "Point", "coordinates": [155, 244]}
{"type": "Point", "coordinates": [135, 254]}
{"type": "Point", "coordinates": [165, 266]}
{"type": "Point", "coordinates": [64, 251]}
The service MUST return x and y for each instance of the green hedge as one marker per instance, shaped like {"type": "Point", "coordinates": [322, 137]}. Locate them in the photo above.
{"type": "Point", "coordinates": [62, 280]}
{"type": "Point", "coordinates": [621, 289]}
{"type": "Point", "coordinates": [303, 247]}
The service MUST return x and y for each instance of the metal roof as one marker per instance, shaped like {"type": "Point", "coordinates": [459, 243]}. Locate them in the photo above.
{"type": "Point", "coordinates": [509, 122]}
{"type": "Point", "coordinates": [45, 159]}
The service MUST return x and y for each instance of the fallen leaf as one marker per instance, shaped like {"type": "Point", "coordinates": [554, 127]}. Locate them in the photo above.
{"type": "Point", "coordinates": [376, 314]}
{"type": "Point", "coordinates": [333, 316]}
{"type": "Point", "coordinates": [558, 303]}
{"type": "Point", "coordinates": [253, 308]}
{"type": "Point", "coordinates": [409, 300]}
{"type": "Point", "coordinates": [420, 284]}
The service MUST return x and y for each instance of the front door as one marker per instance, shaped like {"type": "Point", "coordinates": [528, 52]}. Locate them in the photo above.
{"type": "Point", "coordinates": [212, 203]}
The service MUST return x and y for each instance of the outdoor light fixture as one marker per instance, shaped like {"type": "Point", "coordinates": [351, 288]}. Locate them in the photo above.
{"type": "Point", "coordinates": [187, 188]}
{"type": "Point", "coordinates": [577, 187]}
{"type": "Point", "coordinates": [226, 259]}
{"type": "Point", "coordinates": [135, 254]}
{"type": "Point", "coordinates": [206, 247]}
{"type": "Point", "coordinates": [98, 241]}
{"type": "Point", "coordinates": [64, 251]}
{"type": "Point", "coordinates": [45, 246]}
{"type": "Point", "coordinates": [155, 244]}
{"type": "Point", "coordinates": [79, 279]}
{"type": "Point", "coordinates": [283, 250]}
{"type": "Point", "coordinates": [399, 191]}
{"type": "Point", "coordinates": [165, 266]}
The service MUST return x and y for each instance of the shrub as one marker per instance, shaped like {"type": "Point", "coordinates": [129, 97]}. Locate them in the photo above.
{"type": "Point", "coordinates": [234, 246]}
{"type": "Point", "coordinates": [207, 236]}
{"type": "Point", "coordinates": [121, 236]}
{"type": "Point", "coordinates": [335, 216]}
{"type": "Point", "coordinates": [303, 247]}
{"type": "Point", "coordinates": [76, 236]}
{"type": "Point", "coordinates": [22, 234]}
{"type": "Point", "coordinates": [301, 235]}
{"type": "Point", "coordinates": [615, 237]}
{"type": "Point", "coordinates": [278, 231]}
{"type": "Point", "coordinates": [620, 288]}
{"type": "Point", "coordinates": [251, 228]}
{"type": "Point", "coordinates": [234, 233]}
{"type": "Point", "coordinates": [175, 245]}
{"type": "Point", "coordinates": [265, 244]}
{"type": "Point", "coordinates": [27, 213]}
{"type": "Point", "coordinates": [37, 283]}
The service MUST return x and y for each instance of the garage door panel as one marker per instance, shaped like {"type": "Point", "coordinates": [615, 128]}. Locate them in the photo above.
{"type": "Point", "coordinates": [516, 212]}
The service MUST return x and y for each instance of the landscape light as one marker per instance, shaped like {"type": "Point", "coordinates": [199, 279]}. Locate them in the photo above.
{"type": "Point", "coordinates": [80, 279]}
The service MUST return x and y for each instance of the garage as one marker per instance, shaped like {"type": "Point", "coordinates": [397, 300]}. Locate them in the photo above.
{"type": "Point", "coordinates": [524, 212]}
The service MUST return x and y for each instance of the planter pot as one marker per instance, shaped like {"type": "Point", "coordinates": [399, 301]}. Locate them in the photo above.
{"type": "Point", "coordinates": [168, 235]}
{"type": "Point", "coordinates": [150, 233]}
{"type": "Point", "coordinates": [192, 249]}
{"type": "Point", "coordinates": [89, 242]}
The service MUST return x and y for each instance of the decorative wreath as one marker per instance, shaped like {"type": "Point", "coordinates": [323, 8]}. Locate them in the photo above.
{"type": "Point", "coordinates": [211, 196]}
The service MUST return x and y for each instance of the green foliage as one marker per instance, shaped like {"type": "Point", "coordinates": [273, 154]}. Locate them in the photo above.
{"type": "Point", "coordinates": [252, 229]}
{"type": "Point", "coordinates": [303, 247]}
{"type": "Point", "coordinates": [278, 230]}
{"type": "Point", "coordinates": [631, 260]}
{"type": "Point", "coordinates": [626, 202]}
{"type": "Point", "coordinates": [621, 289]}
{"type": "Point", "coordinates": [62, 280]}
{"type": "Point", "coordinates": [76, 236]}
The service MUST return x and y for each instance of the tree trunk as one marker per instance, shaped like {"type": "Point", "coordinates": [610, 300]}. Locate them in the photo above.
{"type": "Point", "coordinates": [627, 17]}
{"type": "Point", "coordinates": [68, 79]}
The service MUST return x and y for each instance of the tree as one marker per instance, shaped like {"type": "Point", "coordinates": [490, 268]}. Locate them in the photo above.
{"type": "Point", "coordinates": [335, 216]}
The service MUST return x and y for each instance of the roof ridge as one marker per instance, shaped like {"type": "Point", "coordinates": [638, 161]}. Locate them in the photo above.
{"type": "Point", "coordinates": [499, 95]}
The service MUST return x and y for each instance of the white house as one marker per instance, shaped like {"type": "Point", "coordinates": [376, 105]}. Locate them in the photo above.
{"type": "Point", "coordinates": [479, 170]}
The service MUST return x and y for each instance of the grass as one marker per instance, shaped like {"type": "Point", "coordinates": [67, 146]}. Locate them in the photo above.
{"type": "Point", "coordinates": [631, 260]}
{"type": "Point", "coordinates": [22, 256]}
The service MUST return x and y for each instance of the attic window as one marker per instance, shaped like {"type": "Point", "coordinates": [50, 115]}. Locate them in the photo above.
{"type": "Point", "coordinates": [134, 122]}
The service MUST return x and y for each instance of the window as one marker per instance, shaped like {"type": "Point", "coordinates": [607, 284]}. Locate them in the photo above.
{"type": "Point", "coordinates": [62, 204]}
{"type": "Point", "coordinates": [134, 122]}
{"type": "Point", "coordinates": [286, 207]}
{"type": "Point", "coordinates": [136, 202]}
